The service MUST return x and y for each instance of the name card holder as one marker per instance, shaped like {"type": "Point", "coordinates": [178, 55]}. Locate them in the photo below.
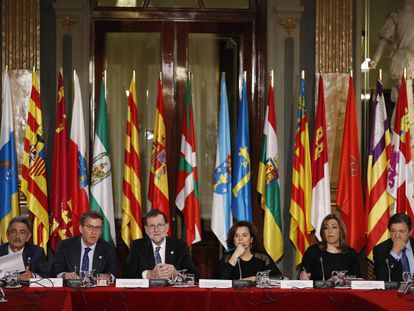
{"type": "Point", "coordinates": [46, 282]}
{"type": "Point", "coordinates": [367, 285]}
{"type": "Point", "coordinates": [212, 283]}
{"type": "Point", "coordinates": [296, 284]}
{"type": "Point", "coordinates": [132, 283]}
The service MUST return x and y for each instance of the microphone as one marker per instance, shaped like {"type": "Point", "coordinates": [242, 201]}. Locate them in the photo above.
{"type": "Point", "coordinates": [388, 268]}
{"type": "Point", "coordinates": [240, 271]}
{"type": "Point", "coordinates": [323, 270]}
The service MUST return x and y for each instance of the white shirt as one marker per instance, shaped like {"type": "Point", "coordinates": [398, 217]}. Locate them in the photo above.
{"type": "Point", "coordinates": [162, 254]}
{"type": "Point", "coordinates": [90, 255]}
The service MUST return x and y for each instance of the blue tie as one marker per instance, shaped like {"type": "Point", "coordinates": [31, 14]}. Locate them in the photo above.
{"type": "Point", "coordinates": [157, 255]}
{"type": "Point", "coordinates": [404, 261]}
{"type": "Point", "coordinates": [85, 260]}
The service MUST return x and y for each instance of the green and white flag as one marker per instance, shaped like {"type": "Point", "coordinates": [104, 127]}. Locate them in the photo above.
{"type": "Point", "coordinates": [101, 198]}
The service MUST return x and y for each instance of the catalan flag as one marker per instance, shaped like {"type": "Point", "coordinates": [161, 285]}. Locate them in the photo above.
{"type": "Point", "coordinates": [268, 183]}
{"type": "Point", "coordinates": [60, 205]}
{"type": "Point", "coordinates": [301, 196]}
{"type": "Point", "coordinates": [321, 194]}
{"type": "Point", "coordinates": [34, 184]}
{"type": "Point", "coordinates": [158, 181]}
{"type": "Point", "coordinates": [378, 200]}
{"type": "Point", "coordinates": [187, 180]}
{"type": "Point", "coordinates": [349, 196]}
{"type": "Point", "coordinates": [9, 194]}
{"type": "Point", "coordinates": [131, 227]}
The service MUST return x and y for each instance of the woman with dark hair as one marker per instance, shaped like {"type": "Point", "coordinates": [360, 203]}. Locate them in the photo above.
{"type": "Point", "coordinates": [246, 259]}
{"type": "Point", "coordinates": [331, 254]}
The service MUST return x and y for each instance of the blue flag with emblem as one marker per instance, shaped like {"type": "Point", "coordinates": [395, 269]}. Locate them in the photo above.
{"type": "Point", "coordinates": [242, 185]}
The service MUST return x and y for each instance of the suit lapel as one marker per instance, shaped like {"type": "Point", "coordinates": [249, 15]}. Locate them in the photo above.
{"type": "Point", "coordinates": [98, 257]}
{"type": "Point", "coordinates": [4, 249]}
{"type": "Point", "coordinates": [169, 252]}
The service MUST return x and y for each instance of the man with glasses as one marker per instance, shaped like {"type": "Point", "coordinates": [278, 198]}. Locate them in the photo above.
{"type": "Point", "coordinates": [18, 235]}
{"type": "Point", "coordinates": [78, 255]}
{"type": "Point", "coordinates": [157, 256]}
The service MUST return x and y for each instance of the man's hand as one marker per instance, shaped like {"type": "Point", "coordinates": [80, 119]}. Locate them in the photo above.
{"type": "Point", "coordinates": [26, 275]}
{"type": "Point", "coordinates": [398, 246]}
{"type": "Point", "coordinates": [165, 271]}
{"type": "Point", "coordinates": [70, 276]}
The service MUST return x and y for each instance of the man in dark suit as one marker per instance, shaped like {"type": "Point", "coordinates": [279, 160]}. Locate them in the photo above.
{"type": "Point", "coordinates": [86, 252]}
{"type": "Point", "coordinates": [156, 255]}
{"type": "Point", "coordinates": [395, 255]}
{"type": "Point", "coordinates": [18, 234]}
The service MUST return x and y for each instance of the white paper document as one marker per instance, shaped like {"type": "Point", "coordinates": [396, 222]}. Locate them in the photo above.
{"type": "Point", "coordinates": [11, 262]}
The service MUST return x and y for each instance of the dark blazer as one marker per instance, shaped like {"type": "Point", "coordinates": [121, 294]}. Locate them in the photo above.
{"type": "Point", "coordinates": [141, 257]}
{"type": "Point", "coordinates": [381, 252]}
{"type": "Point", "coordinates": [68, 253]}
{"type": "Point", "coordinates": [33, 256]}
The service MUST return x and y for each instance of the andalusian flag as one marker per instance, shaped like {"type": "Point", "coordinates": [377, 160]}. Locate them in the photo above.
{"type": "Point", "coordinates": [131, 227]}
{"type": "Point", "coordinates": [158, 182]}
{"type": "Point", "coordinates": [378, 200]}
{"type": "Point", "coordinates": [34, 184]}
{"type": "Point", "coordinates": [187, 181]}
{"type": "Point", "coordinates": [9, 194]}
{"type": "Point", "coordinates": [301, 197]}
{"type": "Point", "coordinates": [60, 205]}
{"type": "Point", "coordinates": [101, 196]}
{"type": "Point", "coordinates": [268, 183]}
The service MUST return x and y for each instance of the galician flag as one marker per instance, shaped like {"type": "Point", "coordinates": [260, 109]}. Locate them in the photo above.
{"type": "Point", "coordinates": [187, 180]}
{"type": "Point", "coordinates": [221, 216]}
{"type": "Point", "coordinates": [101, 196]}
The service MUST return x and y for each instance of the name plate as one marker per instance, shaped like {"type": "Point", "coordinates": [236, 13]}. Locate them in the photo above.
{"type": "Point", "coordinates": [367, 285]}
{"type": "Point", "coordinates": [296, 284]}
{"type": "Point", "coordinates": [132, 283]}
{"type": "Point", "coordinates": [49, 282]}
{"type": "Point", "coordinates": [212, 283]}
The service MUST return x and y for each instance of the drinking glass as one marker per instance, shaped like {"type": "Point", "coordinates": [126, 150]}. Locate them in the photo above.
{"type": "Point", "coordinates": [406, 276]}
{"type": "Point", "coordinates": [88, 278]}
{"type": "Point", "coordinates": [263, 279]}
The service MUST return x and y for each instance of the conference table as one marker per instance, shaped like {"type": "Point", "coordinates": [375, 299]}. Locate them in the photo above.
{"type": "Point", "coordinates": [202, 299]}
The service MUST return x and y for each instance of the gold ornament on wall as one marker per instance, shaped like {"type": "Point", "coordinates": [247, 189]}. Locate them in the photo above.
{"type": "Point", "coordinates": [289, 24]}
{"type": "Point", "coordinates": [67, 21]}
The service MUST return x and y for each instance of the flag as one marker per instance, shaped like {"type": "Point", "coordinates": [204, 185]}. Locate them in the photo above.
{"type": "Point", "coordinates": [34, 183]}
{"type": "Point", "coordinates": [101, 196]}
{"type": "Point", "coordinates": [400, 176]}
{"type": "Point", "coordinates": [378, 200]}
{"type": "Point", "coordinates": [242, 185]}
{"type": "Point", "coordinates": [9, 191]}
{"type": "Point", "coordinates": [131, 227]}
{"type": "Point", "coordinates": [268, 183]}
{"type": "Point", "coordinates": [301, 196]}
{"type": "Point", "coordinates": [321, 194]}
{"type": "Point", "coordinates": [187, 180]}
{"type": "Point", "coordinates": [158, 180]}
{"type": "Point", "coordinates": [60, 205]}
{"type": "Point", "coordinates": [78, 169]}
{"type": "Point", "coordinates": [349, 196]}
{"type": "Point", "coordinates": [221, 216]}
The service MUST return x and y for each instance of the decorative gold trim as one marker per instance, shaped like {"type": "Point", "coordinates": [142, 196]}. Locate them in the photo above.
{"type": "Point", "coordinates": [67, 21]}
{"type": "Point", "coordinates": [289, 24]}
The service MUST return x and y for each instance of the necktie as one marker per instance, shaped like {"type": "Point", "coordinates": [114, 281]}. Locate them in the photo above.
{"type": "Point", "coordinates": [85, 261]}
{"type": "Point", "coordinates": [157, 255]}
{"type": "Point", "coordinates": [404, 261]}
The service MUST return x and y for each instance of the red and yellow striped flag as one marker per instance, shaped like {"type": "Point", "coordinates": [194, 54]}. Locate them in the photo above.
{"type": "Point", "coordinates": [158, 182]}
{"type": "Point", "coordinates": [131, 227]}
{"type": "Point", "coordinates": [301, 197]}
{"type": "Point", "coordinates": [34, 183]}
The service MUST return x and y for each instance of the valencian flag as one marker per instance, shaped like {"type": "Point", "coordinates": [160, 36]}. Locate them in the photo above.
{"type": "Point", "coordinates": [158, 180]}
{"type": "Point", "coordinates": [321, 194]}
{"type": "Point", "coordinates": [34, 183]}
{"type": "Point", "coordinates": [242, 184]}
{"type": "Point", "coordinates": [221, 216]}
{"type": "Point", "coordinates": [378, 200]}
{"type": "Point", "coordinates": [301, 197]}
{"type": "Point", "coordinates": [349, 196]}
{"type": "Point", "coordinates": [400, 176]}
{"type": "Point", "coordinates": [78, 170]}
{"type": "Point", "coordinates": [9, 194]}
{"type": "Point", "coordinates": [101, 195]}
{"type": "Point", "coordinates": [131, 227]}
{"type": "Point", "coordinates": [187, 180]}
{"type": "Point", "coordinates": [60, 205]}
{"type": "Point", "coordinates": [268, 183]}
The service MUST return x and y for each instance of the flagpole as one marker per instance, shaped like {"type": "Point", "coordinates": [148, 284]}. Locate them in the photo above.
{"type": "Point", "coordinates": [272, 78]}
{"type": "Point", "coordinates": [351, 73]}
{"type": "Point", "coordinates": [380, 74]}
{"type": "Point", "coordinates": [104, 77]}
{"type": "Point", "coordinates": [6, 68]}
{"type": "Point", "coordinates": [405, 73]}
{"type": "Point", "coordinates": [161, 77]}
{"type": "Point", "coordinates": [302, 74]}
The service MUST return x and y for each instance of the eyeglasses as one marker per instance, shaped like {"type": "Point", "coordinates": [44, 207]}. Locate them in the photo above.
{"type": "Point", "coordinates": [15, 232]}
{"type": "Point", "coordinates": [91, 228]}
{"type": "Point", "coordinates": [158, 226]}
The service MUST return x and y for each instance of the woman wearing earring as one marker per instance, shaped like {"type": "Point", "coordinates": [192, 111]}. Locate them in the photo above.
{"type": "Point", "coordinates": [245, 260]}
{"type": "Point", "coordinates": [331, 254]}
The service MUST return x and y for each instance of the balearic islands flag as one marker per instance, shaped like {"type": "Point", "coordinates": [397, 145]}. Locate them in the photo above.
{"type": "Point", "coordinates": [268, 183]}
